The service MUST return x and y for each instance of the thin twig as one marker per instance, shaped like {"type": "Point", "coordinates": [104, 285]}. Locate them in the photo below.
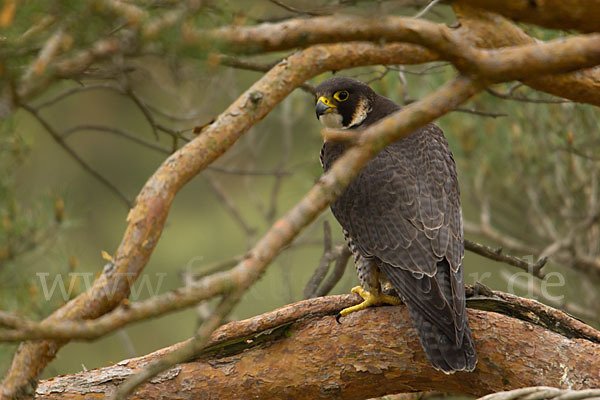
{"type": "Point", "coordinates": [229, 205]}
{"type": "Point", "coordinates": [234, 171]}
{"type": "Point", "coordinates": [480, 112]}
{"type": "Point", "coordinates": [295, 10]}
{"type": "Point", "coordinates": [117, 132]}
{"type": "Point", "coordinates": [315, 280]}
{"type": "Point", "coordinates": [497, 255]}
{"type": "Point", "coordinates": [426, 8]}
{"type": "Point", "coordinates": [343, 255]}
{"type": "Point", "coordinates": [183, 353]}
{"type": "Point", "coordinates": [235, 62]}
{"type": "Point", "coordinates": [510, 96]}
{"type": "Point", "coordinates": [287, 122]}
{"type": "Point", "coordinates": [58, 139]}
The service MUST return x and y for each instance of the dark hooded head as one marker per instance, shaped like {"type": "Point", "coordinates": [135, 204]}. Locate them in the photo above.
{"type": "Point", "coordinates": [343, 103]}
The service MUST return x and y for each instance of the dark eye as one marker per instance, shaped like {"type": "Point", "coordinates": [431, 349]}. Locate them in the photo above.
{"type": "Point", "coordinates": [342, 95]}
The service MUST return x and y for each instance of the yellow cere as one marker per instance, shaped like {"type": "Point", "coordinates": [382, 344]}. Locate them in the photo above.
{"type": "Point", "coordinates": [326, 101]}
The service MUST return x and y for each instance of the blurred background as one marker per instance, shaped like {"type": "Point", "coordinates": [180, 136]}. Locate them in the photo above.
{"type": "Point", "coordinates": [528, 167]}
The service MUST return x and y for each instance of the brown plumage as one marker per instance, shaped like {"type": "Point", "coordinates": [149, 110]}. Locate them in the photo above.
{"type": "Point", "coordinates": [402, 216]}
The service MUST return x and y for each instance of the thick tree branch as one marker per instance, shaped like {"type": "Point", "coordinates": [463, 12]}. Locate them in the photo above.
{"type": "Point", "coordinates": [557, 14]}
{"type": "Point", "coordinates": [504, 65]}
{"type": "Point", "coordinates": [463, 46]}
{"type": "Point", "coordinates": [300, 352]}
{"type": "Point", "coordinates": [147, 218]}
{"type": "Point", "coordinates": [489, 30]}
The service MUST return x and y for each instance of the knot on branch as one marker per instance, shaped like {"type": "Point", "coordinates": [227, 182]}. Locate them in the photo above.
{"type": "Point", "coordinates": [256, 97]}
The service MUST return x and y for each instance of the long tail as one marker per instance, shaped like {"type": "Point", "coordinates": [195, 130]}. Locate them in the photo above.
{"type": "Point", "coordinates": [443, 353]}
{"type": "Point", "coordinates": [437, 308]}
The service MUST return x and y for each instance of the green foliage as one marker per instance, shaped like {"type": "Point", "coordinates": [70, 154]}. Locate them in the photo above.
{"type": "Point", "coordinates": [27, 227]}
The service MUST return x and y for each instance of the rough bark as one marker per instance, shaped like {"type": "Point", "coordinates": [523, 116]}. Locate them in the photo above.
{"type": "Point", "coordinates": [300, 352]}
{"type": "Point", "coordinates": [581, 15]}
{"type": "Point", "coordinates": [147, 218]}
{"type": "Point", "coordinates": [152, 204]}
{"type": "Point", "coordinates": [489, 30]}
{"type": "Point", "coordinates": [462, 44]}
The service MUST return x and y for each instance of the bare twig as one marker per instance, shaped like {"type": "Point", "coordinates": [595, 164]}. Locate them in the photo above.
{"type": "Point", "coordinates": [294, 9]}
{"type": "Point", "coordinates": [343, 255]}
{"type": "Point", "coordinates": [315, 280]}
{"type": "Point", "coordinates": [183, 353]}
{"type": "Point", "coordinates": [287, 122]}
{"type": "Point", "coordinates": [227, 202]}
{"type": "Point", "coordinates": [233, 171]}
{"type": "Point", "coordinates": [58, 139]}
{"type": "Point", "coordinates": [235, 62]}
{"type": "Point", "coordinates": [117, 132]}
{"type": "Point", "coordinates": [481, 113]}
{"type": "Point", "coordinates": [426, 9]}
{"type": "Point", "coordinates": [497, 255]}
{"type": "Point", "coordinates": [511, 96]}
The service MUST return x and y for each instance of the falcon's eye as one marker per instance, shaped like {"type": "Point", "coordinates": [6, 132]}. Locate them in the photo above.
{"type": "Point", "coordinates": [342, 95]}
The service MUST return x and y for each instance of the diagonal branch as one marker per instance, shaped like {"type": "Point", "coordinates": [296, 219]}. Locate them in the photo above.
{"type": "Point", "coordinates": [147, 219]}
{"type": "Point", "coordinates": [329, 187]}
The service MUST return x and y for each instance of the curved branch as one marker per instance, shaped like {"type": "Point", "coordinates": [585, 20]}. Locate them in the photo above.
{"type": "Point", "coordinates": [557, 14]}
{"type": "Point", "coordinates": [489, 30]}
{"type": "Point", "coordinates": [147, 218]}
{"type": "Point", "coordinates": [502, 65]}
{"type": "Point", "coordinates": [300, 352]}
{"type": "Point", "coordinates": [464, 46]}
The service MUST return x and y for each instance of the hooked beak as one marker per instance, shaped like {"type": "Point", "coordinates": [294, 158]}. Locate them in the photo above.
{"type": "Point", "coordinates": [324, 105]}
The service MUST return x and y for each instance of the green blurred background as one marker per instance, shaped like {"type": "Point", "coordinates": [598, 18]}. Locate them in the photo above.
{"type": "Point", "coordinates": [532, 166]}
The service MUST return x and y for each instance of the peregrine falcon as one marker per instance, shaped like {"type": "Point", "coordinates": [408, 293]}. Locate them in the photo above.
{"type": "Point", "coordinates": [402, 219]}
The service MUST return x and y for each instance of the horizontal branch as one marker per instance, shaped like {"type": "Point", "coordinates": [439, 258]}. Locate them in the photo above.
{"type": "Point", "coordinates": [470, 48]}
{"type": "Point", "coordinates": [581, 15]}
{"type": "Point", "coordinates": [502, 65]}
{"type": "Point", "coordinates": [300, 352]}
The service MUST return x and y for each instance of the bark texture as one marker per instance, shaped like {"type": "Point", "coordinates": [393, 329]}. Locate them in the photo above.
{"type": "Point", "coordinates": [304, 354]}
{"type": "Point", "coordinates": [559, 14]}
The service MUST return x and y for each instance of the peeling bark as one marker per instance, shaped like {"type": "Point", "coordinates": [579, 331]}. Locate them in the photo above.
{"type": "Point", "coordinates": [299, 353]}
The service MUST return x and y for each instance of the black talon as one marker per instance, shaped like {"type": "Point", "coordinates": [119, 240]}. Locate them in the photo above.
{"type": "Point", "coordinates": [337, 318]}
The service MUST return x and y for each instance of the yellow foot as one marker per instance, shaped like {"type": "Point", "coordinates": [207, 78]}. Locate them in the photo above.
{"type": "Point", "coordinates": [370, 299]}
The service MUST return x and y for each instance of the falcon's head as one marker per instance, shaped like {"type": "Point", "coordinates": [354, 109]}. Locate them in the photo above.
{"type": "Point", "coordinates": [343, 103]}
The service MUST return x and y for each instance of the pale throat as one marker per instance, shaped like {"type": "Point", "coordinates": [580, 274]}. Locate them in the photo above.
{"type": "Point", "coordinates": [334, 120]}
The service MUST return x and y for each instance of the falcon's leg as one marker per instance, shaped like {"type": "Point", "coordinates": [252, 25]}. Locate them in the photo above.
{"type": "Point", "coordinates": [368, 274]}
